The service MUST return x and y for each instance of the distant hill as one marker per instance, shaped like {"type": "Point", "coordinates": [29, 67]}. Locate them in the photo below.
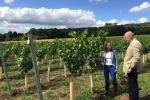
{"type": "Point", "coordinates": [135, 25]}
{"type": "Point", "coordinates": [146, 24]}
{"type": "Point", "coordinates": [112, 29]}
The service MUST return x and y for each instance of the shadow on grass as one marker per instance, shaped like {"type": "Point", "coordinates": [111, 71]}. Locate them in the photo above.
{"type": "Point", "coordinates": [97, 96]}
{"type": "Point", "coordinates": [21, 76]}
{"type": "Point", "coordinates": [146, 68]}
{"type": "Point", "coordinates": [53, 62]}
{"type": "Point", "coordinates": [54, 84]}
{"type": "Point", "coordinates": [147, 97]}
{"type": "Point", "coordinates": [51, 69]}
{"type": "Point", "coordinates": [17, 92]}
{"type": "Point", "coordinates": [5, 97]}
{"type": "Point", "coordinates": [14, 69]}
{"type": "Point", "coordinates": [122, 88]}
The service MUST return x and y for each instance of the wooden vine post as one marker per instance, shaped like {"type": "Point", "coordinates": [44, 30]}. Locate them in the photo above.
{"type": "Point", "coordinates": [60, 62]}
{"type": "Point", "coordinates": [52, 58]}
{"type": "Point", "coordinates": [5, 70]}
{"type": "Point", "coordinates": [92, 84]}
{"type": "Point", "coordinates": [88, 67]}
{"type": "Point", "coordinates": [65, 71]}
{"type": "Point", "coordinates": [26, 80]}
{"type": "Point", "coordinates": [45, 57]}
{"type": "Point", "coordinates": [15, 56]}
{"type": "Point", "coordinates": [71, 91]}
{"type": "Point", "coordinates": [48, 78]}
{"type": "Point", "coordinates": [143, 57]}
{"type": "Point", "coordinates": [40, 96]}
{"type": "Point", "coordinates": [1, 72]}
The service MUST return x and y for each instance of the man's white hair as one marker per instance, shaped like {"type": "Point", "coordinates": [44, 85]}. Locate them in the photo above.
{"type": "Point", "coordinates": [129, 33]}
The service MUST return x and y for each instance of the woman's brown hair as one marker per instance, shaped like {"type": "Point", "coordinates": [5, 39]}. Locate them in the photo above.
{"type": "Point", "coordinates": [105, 46]}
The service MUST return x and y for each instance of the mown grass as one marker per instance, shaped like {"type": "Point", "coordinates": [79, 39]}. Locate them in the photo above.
{"type": "Point", "coordinates": [58, 87]}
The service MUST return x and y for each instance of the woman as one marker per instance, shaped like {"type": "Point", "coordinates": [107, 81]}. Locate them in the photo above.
{"type": "Point", "coordinates": [110, 60]}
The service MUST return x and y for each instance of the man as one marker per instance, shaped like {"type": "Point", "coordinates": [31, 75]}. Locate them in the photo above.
{"type": "Point", "coordinates": [132, 65]}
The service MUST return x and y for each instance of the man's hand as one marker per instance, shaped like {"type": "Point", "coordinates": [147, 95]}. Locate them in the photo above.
{"type": "Point", "coordinates": [116, 71]}
{"type": "Point", "coordinates": [95, 59]}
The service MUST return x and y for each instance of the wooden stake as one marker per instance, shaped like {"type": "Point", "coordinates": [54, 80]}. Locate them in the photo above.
{"type": "Point", "coordinates": [1, 72]}
{"type": "Point", "coordinates": [143, 58]}
{"type": "Point", "coordinates": [65, 71]}
{"type": "Point", "coordinates": [48, 78]}
{"type": "Point", "coordinates": [71, 91]}
{"type": "Point", "coordinates": [28, 41]}
{"type": "Point", "coordinates": [92, 85]}
{"type": "Point", "coordinates": [46, 57]}
{"type": "Point", "coordinates": [26, 80]}
{"type": "Point", "coordinates": [15, 56]}
{"type": "Point", "coordinates": [88, 67]}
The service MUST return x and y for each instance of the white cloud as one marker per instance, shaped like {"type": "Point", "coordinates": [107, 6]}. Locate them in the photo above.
{"type": "Point", "coordinates": [22, 19]}
{"type": "Point", "coordinates": [113, 21]}
{"type": "Point", "coordinates": [98, 1]}
{"type": "Point", "coordinates": [100, 23]}
{"type": "Point", "coordinates": [51, 17]}
{"type": "Point", "coordinates": [142, 20]}
{"type": "Point", "coordinates": [9, 1]}
{"type": "Point", "coordinates": [123, 22]}
{"type": "Point", "coordinates": [13, 27]}
{"type": "Point", "coordinates": [22, 28]}
{"type": "Point", "coordinates": [25, 28]}
{"type": "Point", "coordinates": [60, 18]}
{"type": "Point", "coordinates": [143, 6]}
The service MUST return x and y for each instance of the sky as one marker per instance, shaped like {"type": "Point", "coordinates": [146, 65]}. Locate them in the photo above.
{"type": "Point", "coordinates": [22, 15]}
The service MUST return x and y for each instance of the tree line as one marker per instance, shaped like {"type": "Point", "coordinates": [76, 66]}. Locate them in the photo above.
{"type": "Point", "coordinates": [111, 28]}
